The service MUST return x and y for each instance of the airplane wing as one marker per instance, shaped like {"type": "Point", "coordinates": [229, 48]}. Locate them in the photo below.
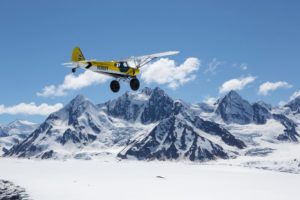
{"type": "Point", "coordinates": [143, 60]}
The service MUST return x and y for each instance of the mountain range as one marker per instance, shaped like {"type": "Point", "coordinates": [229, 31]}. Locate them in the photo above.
{"type": "Point", "coordinates": [150, 125]}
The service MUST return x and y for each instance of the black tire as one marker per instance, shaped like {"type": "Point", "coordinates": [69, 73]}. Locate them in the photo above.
{"type": "Point", "coordinates": [134, 84]}
{"type": "Point", "coordinates": [115, 86]}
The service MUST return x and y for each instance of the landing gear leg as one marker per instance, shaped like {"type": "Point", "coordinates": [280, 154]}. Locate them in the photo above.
{"type": "Point", "coordinates": [134, 84]}
{"type": "Point", "coordinates": [115, 86]}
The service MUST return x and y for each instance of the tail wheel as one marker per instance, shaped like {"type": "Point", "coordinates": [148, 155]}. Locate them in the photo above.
{"type": "Point", "coordinates": [115, 86]}
{"type": "Point", "coordinates": [134, 84]}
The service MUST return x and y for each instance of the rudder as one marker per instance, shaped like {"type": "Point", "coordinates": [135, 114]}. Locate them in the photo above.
{"type": "Point", "coordinates": [77, 55]}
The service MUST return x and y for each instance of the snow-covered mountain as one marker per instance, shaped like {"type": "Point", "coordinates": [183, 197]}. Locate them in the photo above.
{"type": "Point", "coordinates": [149, 125]}
{"type": "Point", "coordinates": [294, 105]}
{"type": "Point", "coordinates": [175, 138]}
{"type": "Point", "coordinates": [234, 109]}
{"type": "Point", "coordinates": [79, 126]}
{"type": "Point", "coordinates": [147, 106]}
{"type": "Point", "coordinates": [14, 132]}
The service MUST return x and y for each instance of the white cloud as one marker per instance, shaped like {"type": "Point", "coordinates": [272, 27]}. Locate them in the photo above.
{"type": "Point", "coordinates": [212, 66]}
{"type": "Point", "coordinates": [295, 95]}
{"type": "Point", "coordinates": [30, 109]}
{"type": "Point", "coordinates": [165, 71]}
{"type": "Point", "coordinates": [236, 84]}
{"type": "Point", "coordinates": [210, 100]}
{"type": "Point", "coordinates": [72, 82]}
{"type": "Point", "coordinates": [266, 87]}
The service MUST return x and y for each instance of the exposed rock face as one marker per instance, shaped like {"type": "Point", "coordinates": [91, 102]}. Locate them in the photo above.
{"type": "Point", "coordinates": [261, 113]}
{"type": "Point", "coordinates": [148, 106]}
{"type": "Point", "coordinates": [173, 138]}
{"type": "Point", "coordinates": [294, 105]}
{"type": "Point", "coordinates": [234, 109]}
{"type": "Point", "coordinates": [9, 191]}
{"type": "Point", "coordinates": [215, 129]}
{"type": "Point", "coordinates": [290, 133]}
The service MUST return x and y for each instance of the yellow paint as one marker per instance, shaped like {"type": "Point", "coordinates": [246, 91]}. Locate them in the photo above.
{"type": "Point", "coordinates": [110, 66]}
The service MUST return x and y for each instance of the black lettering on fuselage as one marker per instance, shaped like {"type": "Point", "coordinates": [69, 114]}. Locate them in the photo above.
{"type": "Point", "coordinates": [103, 67]}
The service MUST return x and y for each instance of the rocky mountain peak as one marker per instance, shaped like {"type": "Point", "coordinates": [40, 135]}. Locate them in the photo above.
{"type": "Point", "coordinates": [79, 99]}
{"type": "Point", "coordinates": [234, 109]}
{"type": "Point", "coordinates": [147, 91]}
{"type": "Point", "coordinates": [233, 95]}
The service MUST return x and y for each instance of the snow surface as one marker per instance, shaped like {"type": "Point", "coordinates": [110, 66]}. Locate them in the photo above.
{"type": "Point", "coordinates": [112, 179]}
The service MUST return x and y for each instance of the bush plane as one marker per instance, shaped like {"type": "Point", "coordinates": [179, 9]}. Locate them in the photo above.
{"type": "Point", "coordinates": [125, 69]}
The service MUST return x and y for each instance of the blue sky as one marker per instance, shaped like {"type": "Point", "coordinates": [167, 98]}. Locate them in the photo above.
{"type": "Point", "coordinates": [232, 40]}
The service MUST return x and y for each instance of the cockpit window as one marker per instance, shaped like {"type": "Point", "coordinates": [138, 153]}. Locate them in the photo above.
{"type": "Point", "coordinates": [123, 66]}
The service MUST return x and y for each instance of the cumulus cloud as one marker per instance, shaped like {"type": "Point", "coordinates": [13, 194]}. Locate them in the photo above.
{"type": "Point", "coordinates": [165, 71]}
{"type": "Point", "coordinates": [73, 82]}
{"type": "Point", "coordinates": [295, 95]}
{"type": "Point", "coordinates": [212, 66]}
{"type": "Point", "coordinates": [266, 87]}
{"type": "Point", "coordinates": [236, 84]}
{"type": "Point", "coordinates": [30, 109]}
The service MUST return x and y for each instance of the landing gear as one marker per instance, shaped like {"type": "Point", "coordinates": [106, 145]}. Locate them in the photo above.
{"type": "Point", "coordinates": [115, 86]}
{"type": "Point", "coordinates": [73, 70]}
{"type": "Point", "coordinates": [134, 84]}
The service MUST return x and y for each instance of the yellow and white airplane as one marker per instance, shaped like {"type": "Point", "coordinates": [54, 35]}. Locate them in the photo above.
{"type": "Point", "coordinates": [120, 70]}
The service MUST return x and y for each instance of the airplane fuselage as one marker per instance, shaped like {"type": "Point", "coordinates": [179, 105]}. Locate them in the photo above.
{"type": "Point", "coordinates": [112, 68]}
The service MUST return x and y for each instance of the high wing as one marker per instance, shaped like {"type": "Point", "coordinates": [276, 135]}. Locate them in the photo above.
{"type": "Point", "coordinates": [143, 60]}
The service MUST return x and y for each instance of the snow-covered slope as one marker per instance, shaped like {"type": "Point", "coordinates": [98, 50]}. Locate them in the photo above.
{"type": "Point", "coordinates": [108, 179]}
{"type": "Point", "coordinates": [14, 133]}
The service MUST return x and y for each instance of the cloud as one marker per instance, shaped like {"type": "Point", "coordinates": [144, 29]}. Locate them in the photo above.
{"type": "Point", "coordinates": [210, 100]}
{"type": "Point", "coordinates": [165, 71]}
{"type": "Point", "coordinates": [30, 109]}
{"type": "Point", "coordinates": [212, 66]}
{"type": "Point", "coordinates": [295, 95]}
{"type": "Point", "coordinates": [266, 87]}
{"type": "Point", "coordinates": [73, 82]}
{"type": "Point", "coordinates": [236, 84]}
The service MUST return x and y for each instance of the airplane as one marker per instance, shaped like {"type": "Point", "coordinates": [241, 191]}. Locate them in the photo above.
{"type": "Point", "coordinates": [125, 69]}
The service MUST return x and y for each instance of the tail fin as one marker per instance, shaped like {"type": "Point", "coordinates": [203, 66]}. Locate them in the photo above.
{"type": "Point", "coordinates": [77, 55]}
